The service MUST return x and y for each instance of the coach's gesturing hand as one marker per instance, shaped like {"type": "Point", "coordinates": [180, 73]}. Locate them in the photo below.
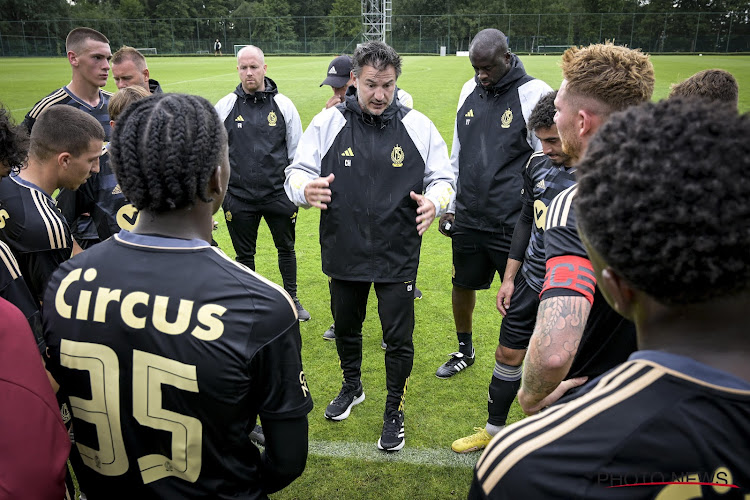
{"type": "Point", "coordinates": [317, 192]}
{"type": "Point", "coordinates": [425, 212]}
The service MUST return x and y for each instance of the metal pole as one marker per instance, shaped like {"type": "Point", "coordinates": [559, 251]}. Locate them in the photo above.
{"type": "Point", "coordinates": [538, 29]}
{"type": "Point", "coordinates": [697, 26]}
{"type": "Point", "coordinates": [23, 34]}
{"type": "Point", "coordinates": [420, 34]}
{"type": "Point", "coordinates": [49, 47]}
{"type": "Point", "coordinates": [224, 22]}
{"type": "Point", "coordinates": [304, 28]}
{"type": "Point", "coordinates": [601, 24]}
{"type": "Point", "coordinates": [632, 28]}
{"type": "Point", "coordinates": [729, 33]}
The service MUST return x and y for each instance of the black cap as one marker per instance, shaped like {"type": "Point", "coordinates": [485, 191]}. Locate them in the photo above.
{"type": "Point", "coordinates": [338, 72]}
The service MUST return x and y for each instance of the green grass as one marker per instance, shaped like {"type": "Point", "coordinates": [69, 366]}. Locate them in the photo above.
{"type": "Point", "coordinates": [437, 411]}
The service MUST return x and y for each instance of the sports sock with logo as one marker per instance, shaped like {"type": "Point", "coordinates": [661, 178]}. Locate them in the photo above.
{"type": "Point", "coordinates": [465, 346]}
{"type": "Point", "coordinates": [504, 386]}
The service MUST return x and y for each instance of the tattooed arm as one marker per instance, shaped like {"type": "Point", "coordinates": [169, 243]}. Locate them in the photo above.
{"type": "Point", "coordinates": [553, 345]}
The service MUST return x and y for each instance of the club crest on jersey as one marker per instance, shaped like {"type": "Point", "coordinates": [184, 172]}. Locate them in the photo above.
{"type": "Point", "coordinates": [228, 216]}
{"type": "Point", "coordinates": [506, 119]}
{"type": "Point", "coordinates": [397, 156]}
{"type": "Point", "coordinates": [272, 119]}
{"type": "Point", "coordinates": [4, 215]}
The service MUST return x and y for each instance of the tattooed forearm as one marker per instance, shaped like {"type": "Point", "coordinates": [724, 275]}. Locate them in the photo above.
{"type": "Point", "coordinates": [553, 345]}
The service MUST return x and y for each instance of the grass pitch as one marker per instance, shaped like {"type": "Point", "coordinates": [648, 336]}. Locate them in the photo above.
{"type": "Point", "coordinates": [344, 461]}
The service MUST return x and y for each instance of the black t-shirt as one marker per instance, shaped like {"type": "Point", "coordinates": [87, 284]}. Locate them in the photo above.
{"type": "Point", "coordinates": [170, 350]}
{"type": "Point", "coordinates": [658, 418]}
{"type": "Point", "coordinates": [35, 231]}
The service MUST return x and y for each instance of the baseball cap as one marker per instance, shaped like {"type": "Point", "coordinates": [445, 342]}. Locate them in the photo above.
{"type": "Point", "coordinates": [338, 72]}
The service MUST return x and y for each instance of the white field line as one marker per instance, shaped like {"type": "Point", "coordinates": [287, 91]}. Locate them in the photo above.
{"type": "Point", "coordinates": [369, 451]}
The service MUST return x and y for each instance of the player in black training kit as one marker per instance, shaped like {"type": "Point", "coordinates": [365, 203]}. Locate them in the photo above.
{"type": "Point", "coordinates": [168, 372]}
{"type": "Point", "coordinates": [671, 422]}
{"type": "Point", "coordinates": [14, 146]}
{"type": "Point", "coordinates": [545, 176]}
{"type": "Point", "coordinates": [33, 227]}
{"type": "Point", "coordinates": [88, 54]}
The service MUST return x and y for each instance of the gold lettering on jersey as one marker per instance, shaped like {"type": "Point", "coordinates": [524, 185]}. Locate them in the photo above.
{"type": "Point", "coordinates": [228, 216]}
{"type": "Point", "coordinates": [4, 215]}
{"type": "Point", "coordinates": [127, 217]}
{"type": "Point", "coordinates": [397, 156]}
{"type": "Point", "coordinates": [540, 214]}
{"type": "Point", "coordinates": [137, 308]}
{"type": "Point", "coordinates": [272, 119]}
{"type": "Point", "coordinates": [506, 119]}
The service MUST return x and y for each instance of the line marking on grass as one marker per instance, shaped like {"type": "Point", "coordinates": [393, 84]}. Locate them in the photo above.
{"type": "Point", "coordinates": [369, 451]}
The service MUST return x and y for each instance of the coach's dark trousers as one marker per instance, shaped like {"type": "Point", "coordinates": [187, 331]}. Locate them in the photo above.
{"type": "Point", "coordinates": [396, 311]}
{"type": "Point", "coordinates": [243, 220]}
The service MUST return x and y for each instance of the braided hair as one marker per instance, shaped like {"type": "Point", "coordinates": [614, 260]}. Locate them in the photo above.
{"type": "Point", "coordinates": [662, 196]}
{"type": "Point", "coordinates": [14, 142]}
{"type": "Point", "coordinates": [165, 149]}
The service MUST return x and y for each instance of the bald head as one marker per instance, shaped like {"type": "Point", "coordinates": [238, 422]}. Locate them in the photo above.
{"type": "Point", "coordinates": [251, 50]}
{"type": "Point", "coordinates": [489, 40]}
{"type": "Point", "coordinates": [490, 57]}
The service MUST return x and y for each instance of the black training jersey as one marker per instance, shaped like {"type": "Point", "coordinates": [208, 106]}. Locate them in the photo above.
{"type": "Point", "coordinates": [542, 181]}
{"type": "Point", "coordinates": [66, 97]}
{"type": "Point", "coordinates": [491, 145]}
{"type": "Point", "coordinates": [657, 420]}
{"type": "Point", "coordinates": [35, 231]}
{"type": "Point", "coordinates": [13, 289]}
{"type": "Point", "coordinates": [101, 197]}
{"type": "Point", "coordinates": [169, 351]}
{"type": "Point", "coordinates": [608, 338]}
{"type": "Point", "coordinates": [263, 130]}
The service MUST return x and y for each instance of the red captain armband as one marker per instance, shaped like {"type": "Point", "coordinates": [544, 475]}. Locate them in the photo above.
{"type": "Point", "coordinates": [570, 273]}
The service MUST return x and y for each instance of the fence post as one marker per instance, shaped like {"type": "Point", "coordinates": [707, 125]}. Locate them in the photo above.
{"type": "Point", "coordinates": [304, 29]}
{"type": "Point", "coordinates": [729, 33]}
{"type": "Point", "coordinates": [697, 26]}
{"type": "Point", "coordinates": [632, 28]}
{"type": "Point", "coordinates": [601, 25]}
{"type": "Point", "coordinates": [23, 33]}
{"type": "Point", "coordinates": [420, 34]}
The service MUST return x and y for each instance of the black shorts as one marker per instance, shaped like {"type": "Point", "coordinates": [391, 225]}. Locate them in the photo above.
{"type": "Point", "coordinates": [477, 255]}
{"type": "Point", "coordinates": [518, 324]}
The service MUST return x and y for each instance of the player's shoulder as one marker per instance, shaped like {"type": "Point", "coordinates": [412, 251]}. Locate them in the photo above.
{"type": "Point", "coordinates": [561, 211]}
{"type": "Point", "coordinates": [537, 161]}
{"type": "Point", "coordinates": [535, 85]}
{"type": "Point", "coordinates": [603, 414]}
{"type": "Point", "coordinates": [57, 96]}
{"type": "Point", "coordinates": [32, 220]}
{"type": "Point", "coordinates": [108, 94]}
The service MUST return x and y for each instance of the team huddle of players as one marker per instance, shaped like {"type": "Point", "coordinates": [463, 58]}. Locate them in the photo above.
{"type": "Point", "coordinates": [619, 228]}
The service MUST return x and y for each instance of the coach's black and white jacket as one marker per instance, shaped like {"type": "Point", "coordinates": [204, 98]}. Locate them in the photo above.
{"type": "Point", "coordinates": [491, 146]}
{"type": "Point", "coordinates": [263, 130]}
{"type": "Point", "coordinates": [369, 231]}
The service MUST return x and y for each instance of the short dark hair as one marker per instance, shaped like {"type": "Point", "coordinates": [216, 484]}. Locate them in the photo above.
{"type": "Point", "coordinates": [376, 54]}
{"type": "Point", "coordinates": [713, 84]}
{"type": "Point", "coordinates": [77, 36]}
{"type": "Point", "coordinates": [662, 196]}
{"type": "Point", "coordinates": [49, 137]}
{"type": "Point", "coordinates": [127, 53]}
{"type": "Point", "coordinates": [14, 142]}
{"type": "Point", "coordinates": [165, 149]}
{"type": "Point", "coordinates": [543, 115]}
{"type": "Point", "coordinates": [124, 98]}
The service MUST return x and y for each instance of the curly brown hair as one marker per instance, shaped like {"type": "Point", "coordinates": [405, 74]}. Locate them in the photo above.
{"type": "Point", "coordinates": [713, 84]}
